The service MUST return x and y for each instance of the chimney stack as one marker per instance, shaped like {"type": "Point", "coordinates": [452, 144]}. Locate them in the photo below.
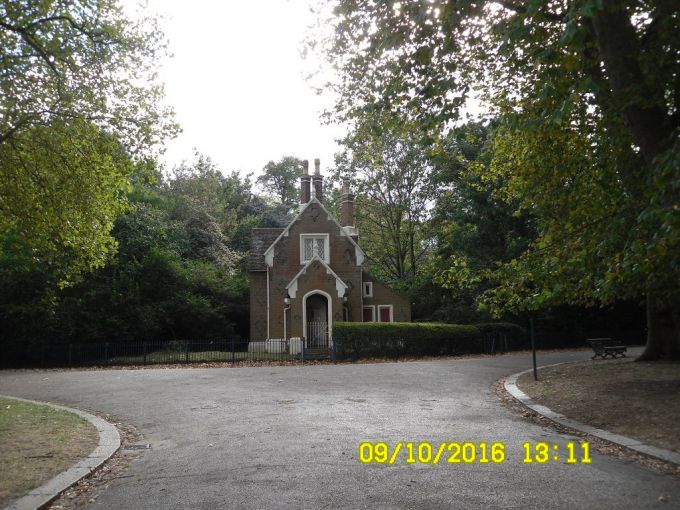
{"type": "Point", "coordinates": [317, 181]}
{"type": "Point", "coordinates": [305, 181]}
{"type": "Point", "coordinates": [346, 206]}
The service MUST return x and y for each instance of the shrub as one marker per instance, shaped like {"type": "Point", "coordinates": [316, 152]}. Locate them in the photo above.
{"type": "Point", "coordinates": [394, 339]}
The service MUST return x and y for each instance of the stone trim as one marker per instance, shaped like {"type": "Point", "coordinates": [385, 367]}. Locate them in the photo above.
{"type": "Point", "coordinates": [340, 286]}
{"type": "Point", "coordinates": [358, 252]}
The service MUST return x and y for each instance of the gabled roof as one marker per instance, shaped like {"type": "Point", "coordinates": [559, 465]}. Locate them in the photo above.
{"type": "Point", "coordinates": [269, 253]}
{"type": "Point", "coordinates": [260, 240]}
{"type": "Point", "coordinates": [340, 286]}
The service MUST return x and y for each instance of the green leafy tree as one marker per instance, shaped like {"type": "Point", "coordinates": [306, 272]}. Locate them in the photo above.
{"type": "Point", "coordinates": [391, 175]}
{"type": "Point", "coordinates": [473, 230]}
{"type": "Point", "coordinates": [587, 92]}
{"type": "Point", "coordinates": [81, 59]}
{"type": "Point", "coordinates": [202, 202]}
{"type": "Point", "coordinates": [79, 104]}
{"type": "Point", "coordinates": [62, 188]}
{"type": "Point", "coordinates": [197, 186]}
{"type": "Point", "coordinates": [468, 218]}
{"type": "Point", "coordinates": [280, 180]}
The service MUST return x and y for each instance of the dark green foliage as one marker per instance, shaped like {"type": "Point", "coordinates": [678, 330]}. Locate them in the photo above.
{"type": "Point", "coordinates": [394, 339]}
{"type": "Point", "coordinates": [467, 226]}
{"type": "Point", "coordinates": [513, 330]}
{"type": "Point", "coordinates": [177, 275]}
{"type": "Point", "coordinates": [503, 336]}
{"type": "Point", "coordinates": [158, 298]}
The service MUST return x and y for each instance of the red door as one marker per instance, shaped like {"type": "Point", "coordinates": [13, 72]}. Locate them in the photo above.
{"type": "Point", "coordinates": [368, 315]}
{"type": "Point", "coordinates": [385, 314]}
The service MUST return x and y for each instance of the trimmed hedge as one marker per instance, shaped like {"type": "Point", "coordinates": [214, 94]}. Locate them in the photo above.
{"type": "Point", "coordinates": [394, 339]}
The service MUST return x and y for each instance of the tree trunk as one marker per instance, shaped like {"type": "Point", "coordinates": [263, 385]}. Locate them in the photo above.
{"type": "Point", "coordinates": [640, 100]}
{"type": "Point", "coordinates": [642, 105]}
{"type": "Point", "coordinates": [663, 328]}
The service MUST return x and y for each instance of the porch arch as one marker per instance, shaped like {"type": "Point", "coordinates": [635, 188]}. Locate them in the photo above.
{"type": "Point", "coordinates": [329, 313]}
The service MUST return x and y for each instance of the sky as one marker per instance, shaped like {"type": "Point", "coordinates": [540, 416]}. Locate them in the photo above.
{"type": "Point", "coordinates": [236, 82]}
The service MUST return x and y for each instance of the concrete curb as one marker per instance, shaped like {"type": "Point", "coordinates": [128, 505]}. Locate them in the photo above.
{"type": "Point", "coordinates": [633, 444]}
{"type": "Point", "coordinates": [109, 442]}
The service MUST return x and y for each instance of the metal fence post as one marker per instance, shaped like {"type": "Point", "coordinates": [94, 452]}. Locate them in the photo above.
{"type": "Point", "coordinates": [302, 350]}
{"type": "Point", "coordinates": [106, 353]}
{"type": "Point", "coordinates": [144, 351]}
{"type": "Point", "coordinates": [70, 355]}
{"type": "Point", "coordinates": [186, 352]}
{"type": "Point", "coordinates": [233, 349]}
{"type": "Point", "coordinates": [533, 346]}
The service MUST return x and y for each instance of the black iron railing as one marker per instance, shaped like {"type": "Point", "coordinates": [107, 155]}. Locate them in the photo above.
{"type": "Point", "coordinates": [237, 350]}
{"type": "Point", "coordinates": [231, 350]}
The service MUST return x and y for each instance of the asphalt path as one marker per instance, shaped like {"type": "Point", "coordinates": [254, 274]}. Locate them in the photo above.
{"type": "Point", "coordinates": [288, 437]}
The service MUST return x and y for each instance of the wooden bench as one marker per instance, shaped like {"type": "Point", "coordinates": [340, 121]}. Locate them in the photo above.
{"type": "Point", "coordinates": [604, 347]}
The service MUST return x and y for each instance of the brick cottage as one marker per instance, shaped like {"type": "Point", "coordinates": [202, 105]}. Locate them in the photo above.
{"type": "Point", "coordinates": [307, 276]}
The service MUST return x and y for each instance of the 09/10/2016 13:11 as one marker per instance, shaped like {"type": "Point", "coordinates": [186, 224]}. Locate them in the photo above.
{"type": "Point", "coordinates": [451, 452]}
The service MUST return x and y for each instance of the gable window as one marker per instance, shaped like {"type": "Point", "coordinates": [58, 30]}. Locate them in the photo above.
{"type": "Point", "coordinates": [314, 245]}
{"type": "Point", "coordinates": [368, 289]}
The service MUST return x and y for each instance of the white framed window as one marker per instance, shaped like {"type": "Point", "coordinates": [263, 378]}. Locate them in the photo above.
{"type": "Point", "coordinates": [385, 313]}
{"type": "Point", "coordinates": [312, 245]}
{"type": "Point", "coordinates": [369, 313]}
{"type": "Point", "coordinates": [368, 289]}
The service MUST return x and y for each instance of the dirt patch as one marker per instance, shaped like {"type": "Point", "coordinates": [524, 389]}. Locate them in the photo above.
{"type": "Point", "coordinates": [635, 399]}
{"type": "Point", "coordinates": [597, 444]}
{"type": "Point", "coordinates": [38, 442]}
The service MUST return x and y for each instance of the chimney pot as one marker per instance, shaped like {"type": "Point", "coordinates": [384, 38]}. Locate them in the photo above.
{"type": "Point", "coordinates": [317, 166]}
{"type": "Point", "coordinates": [305, 167]}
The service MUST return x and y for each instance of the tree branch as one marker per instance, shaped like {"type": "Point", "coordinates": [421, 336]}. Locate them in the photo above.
{"type": "Point", "coordinates": [26, 36]}
{"type": "Point", "coordinates": [63, 17]}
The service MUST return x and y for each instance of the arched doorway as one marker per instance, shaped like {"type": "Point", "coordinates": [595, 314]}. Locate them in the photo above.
{"type": "Point", "coordinates": [317, 319]}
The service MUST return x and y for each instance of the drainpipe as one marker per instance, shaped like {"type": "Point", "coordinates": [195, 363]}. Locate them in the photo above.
{"type": "Point", "coordinates": [268, 303]}
{"type": "Point", "coordinates": [286, 301]}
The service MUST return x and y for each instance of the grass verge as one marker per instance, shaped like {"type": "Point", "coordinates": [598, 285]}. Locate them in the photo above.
{"type": "Point", "coordinates": [636, 399]}
{"type": "Point", "coordinates": [38, 442]}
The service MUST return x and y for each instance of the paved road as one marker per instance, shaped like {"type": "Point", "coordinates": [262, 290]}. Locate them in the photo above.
{"type": "Point", "coordinates": [287, 437]}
